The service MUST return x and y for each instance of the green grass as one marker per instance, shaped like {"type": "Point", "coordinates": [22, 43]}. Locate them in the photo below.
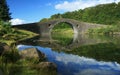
{"type": "Point", "coordinates": [63, 31]}
{"type": "Point", "coordinates": [10, 35]}
{"type": "Point", "coordinates": [108, 30]}
{"type": "Point", "coordinates": [17, 36]}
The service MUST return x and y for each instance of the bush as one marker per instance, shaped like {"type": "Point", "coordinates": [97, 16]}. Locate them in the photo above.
{"type": "Point", "coordinates": [5, 28]}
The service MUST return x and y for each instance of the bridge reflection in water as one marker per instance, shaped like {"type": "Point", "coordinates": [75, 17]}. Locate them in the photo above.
{"type": "Point", "coordinates": [76, 41]}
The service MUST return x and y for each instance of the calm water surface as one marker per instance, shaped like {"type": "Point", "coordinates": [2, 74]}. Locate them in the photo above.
{"type": "Point", "coordinates": [80, 54]}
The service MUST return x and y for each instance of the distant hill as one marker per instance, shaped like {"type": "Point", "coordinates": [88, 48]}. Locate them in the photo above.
{"type": "Point", "coordinates": [102, 14]}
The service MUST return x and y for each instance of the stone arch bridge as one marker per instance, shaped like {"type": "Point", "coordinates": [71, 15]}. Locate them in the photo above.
{"type": "Point", "coordinates": [44, 28]}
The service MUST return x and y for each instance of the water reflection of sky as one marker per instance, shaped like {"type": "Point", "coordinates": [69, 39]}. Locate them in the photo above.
{"type": "Point", "coordinates": [69, 64]}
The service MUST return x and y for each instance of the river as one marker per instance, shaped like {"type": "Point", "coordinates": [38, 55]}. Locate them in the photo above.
{"type": "Point", "coordinates": [79, 54]}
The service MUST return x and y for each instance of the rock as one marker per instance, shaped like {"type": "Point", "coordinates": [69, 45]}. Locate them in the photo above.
{"type": "Point", "coordinates": [46, 68]}
{"type": "Point", "coordinates": [32, 53]}
{"type": "Point", "coordinates": [3, 48]}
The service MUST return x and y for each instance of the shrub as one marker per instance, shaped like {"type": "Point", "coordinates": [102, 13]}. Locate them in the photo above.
{"type": "Point", "coordinates": [5, 28]}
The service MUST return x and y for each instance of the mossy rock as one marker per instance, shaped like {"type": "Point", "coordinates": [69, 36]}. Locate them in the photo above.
{"type": "Point", "coordinates": [32, 53]}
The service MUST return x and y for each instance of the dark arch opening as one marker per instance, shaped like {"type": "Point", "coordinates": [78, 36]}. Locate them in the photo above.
{"type": "Point", "coordinates": [49, 25]}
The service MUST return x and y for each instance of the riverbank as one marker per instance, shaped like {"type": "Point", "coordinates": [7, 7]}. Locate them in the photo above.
{"type": "Point", "coordinates": [17, 36]}
{"type": "Point", "coordinates": [12, 61]}
{"type": "Point", "coordinates": [108, 30]}
{"type": "Point", "coordinates": [29, 61]}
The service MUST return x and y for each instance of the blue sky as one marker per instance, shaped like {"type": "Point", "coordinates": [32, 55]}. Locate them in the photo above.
{"type": "Point", "coordinates": [27, 11]}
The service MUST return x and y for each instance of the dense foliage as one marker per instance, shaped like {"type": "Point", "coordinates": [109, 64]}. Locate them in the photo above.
{"type": "Point", "coordinates": [62, 25]}
{"type": "Point", "coordinates": [102, 14]}
{"type": "Point", "coordinates": [4, 11]}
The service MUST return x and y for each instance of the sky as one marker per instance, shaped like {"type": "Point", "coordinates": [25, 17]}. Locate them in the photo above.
{"type": "Point", "coordinates": [29, 11]}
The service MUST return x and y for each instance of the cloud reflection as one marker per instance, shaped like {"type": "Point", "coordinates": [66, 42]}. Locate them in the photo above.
{"type": "Point", "coordinates": [69, 64]}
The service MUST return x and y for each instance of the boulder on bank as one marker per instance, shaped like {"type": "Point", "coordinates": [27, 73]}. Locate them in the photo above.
{"type": "Point", "coordinates": [3, 48]}
{"type": "Point", "coordinates": [32, 53]}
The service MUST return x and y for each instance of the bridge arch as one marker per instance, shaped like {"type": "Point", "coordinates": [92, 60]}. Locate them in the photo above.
{"type": "Point", "coordinates": [46, 28]}
{"type": "Point", "coordinates": [70, 24]}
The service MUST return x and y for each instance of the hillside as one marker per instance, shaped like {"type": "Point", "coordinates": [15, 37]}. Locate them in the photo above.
{"type": "Point", "coordinates": [102, 14]}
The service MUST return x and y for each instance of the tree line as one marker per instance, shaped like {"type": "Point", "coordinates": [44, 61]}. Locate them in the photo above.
{"type": "Point", "coordinates": [102, 14]}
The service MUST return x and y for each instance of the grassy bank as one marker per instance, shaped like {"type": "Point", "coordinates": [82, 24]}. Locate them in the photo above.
{"type": "Point", "coordinates": [63, 31]}
{"type": "Point", "coordinates": [109, 30]}
{"type": "Point", "coordinates": [10, 61]}
{"type": "Point", "coordinates": [10, 35]}
{"type": "Point", "coordinates": [18, 36]}
{"type": "Point", "coordinates": [12, 64]}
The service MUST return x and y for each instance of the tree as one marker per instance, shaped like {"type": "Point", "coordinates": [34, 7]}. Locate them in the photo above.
{"type": "Point", "coordinates": [56, 16]}
{"type": "Point", "coordinates": [4, 11]}
{"type": "Point", "coordinates": [44, 20]}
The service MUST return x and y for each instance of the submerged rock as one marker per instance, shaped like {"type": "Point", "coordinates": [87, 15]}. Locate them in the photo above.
{"type": "Point", "coordinates": [32, 53]}
{"type": "Point", "coordinates": [3, 48]}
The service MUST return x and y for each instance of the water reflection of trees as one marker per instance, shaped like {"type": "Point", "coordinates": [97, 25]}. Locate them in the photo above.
{"type": "Point", "coordinates": [62, 40]}
{"type": "Point", "coordinates": [101, 51]}
{"type": "Point", "coordinates": [62, 33]}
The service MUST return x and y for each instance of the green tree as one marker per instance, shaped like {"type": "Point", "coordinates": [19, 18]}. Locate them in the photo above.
{"type": "Point", "coordinates": [4, 11]}
{"type": "Point", "coordinates": [56, 16]}
{"type": "Point", "coordinates": [5, 28]}
{"type": "Point", "coordinates": [108, 14]}
{"type": "Point", "coordinates": [44, 20]}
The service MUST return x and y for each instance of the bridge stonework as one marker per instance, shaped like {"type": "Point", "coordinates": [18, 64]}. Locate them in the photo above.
{"type": "Point", "coordinates": [44, 28]}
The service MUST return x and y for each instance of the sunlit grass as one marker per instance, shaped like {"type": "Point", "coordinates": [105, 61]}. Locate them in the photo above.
{"type": "Point", "coordinates": [63, 31]}
{"type": "Point", "coordinates": [17, 36]}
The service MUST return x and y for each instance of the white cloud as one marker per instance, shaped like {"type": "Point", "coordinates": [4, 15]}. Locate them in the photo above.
{"type": "Point", "coordinates": [17, 21]}
{"type": "Point", "coordinates": [81, 4]}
